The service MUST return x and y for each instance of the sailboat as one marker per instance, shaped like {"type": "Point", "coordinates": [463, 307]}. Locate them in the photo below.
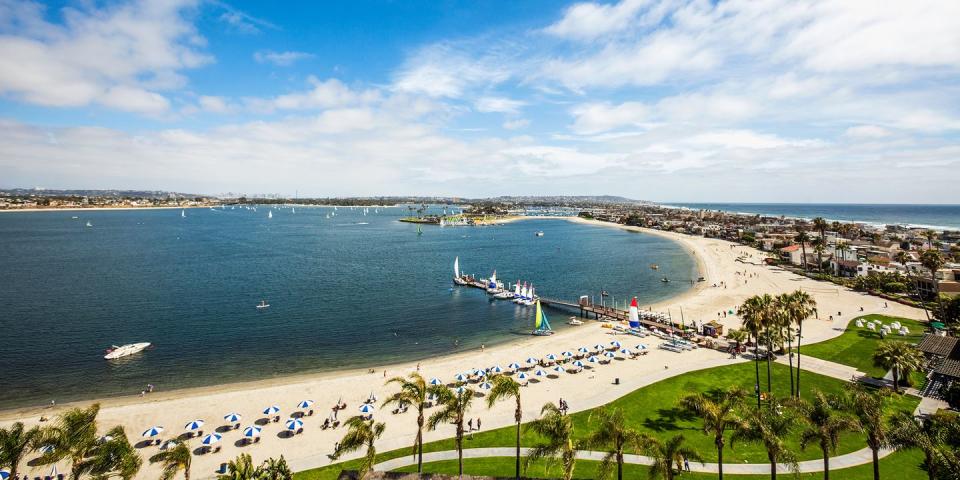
{"type": "Point", "coordinates": [521, 297]}
{"type": "Point", "coordinates": [492, 286]}
{"type": "Point", "coordinates": [293, 210]}
{"type": "Point", "coordinates": [89, 224]}
{"type": "Point", "coordinates": [419, 230]}
{"type": "Point", "coordinates": [456, 272]}
{"type": "Point", "coordinates": [541, 325]}
{"type": "Point", "coordinates": [634, 314]}
{"type": "Point", "coordinates": [183, 214]}
{"type": "Point", "coordinates": [270, 214]}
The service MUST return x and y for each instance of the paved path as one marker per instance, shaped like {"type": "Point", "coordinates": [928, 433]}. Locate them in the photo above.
{"type": "Point", "coordinates": [852, 459]}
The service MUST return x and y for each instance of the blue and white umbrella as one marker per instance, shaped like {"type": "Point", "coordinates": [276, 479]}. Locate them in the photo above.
{"type": "Point", "coordinates": [641, 346]}
{"type": "Point", "coordinates": [153, 431]}
{"type": "Point", "coordinates": [46, 449]}
{"type": "Point", "coordinates": [615, 343]}
{"type": "Point", "coordinates": [626, 351]}
{"type": "Point", "coordinates": [211, 438]}
{"type": "Point", "coordinates": [522, 376]}
{"type": "Point", "coordinates": [578, 363]}
{"type": "Point", "coordinates": [435, 381]}
{"type": "Point", "coordinates": [496, 369]}
{"type": "Point", "coordinates": [460, 377]}
{"type": "Point", "coordinates": [583, 349]}
{"type": "Point", "coordinates": [551, 357]}
{"type": "Point", "coordinates": [514, 366]}
{"type": "Point", "coordinates": [567, 354]}
{"type": "Point", "coordinates": [559, 369]}
{"type": "Point", "coordinates": [481, 373]}
{"type": "Point", "coordinates": [593, 359]}
{"type": "Point", "coordinates": [540, 373]}
{"type": "Point", "coordinates": [609, 354]}
{"type": "Point", "coordinates": [485, 386]}
{"type": "Point", "coordinates": [194, 425]}
{"type": "Point", "coordinates": [305, 404]}
{"type": "Point", "coordinates": [252, 431]}
{"type": "Point", "coordinates": [4, 474]}
{"type": "Point", "coordinates": [294, 424]}
{"type": "Point", "coordinates": [367, 408]}
{"type": "Point", "coordinates": [232, 417]}
{"type": "Point", "coordinates": [271, 410]}
{"type": "Point", "coordinates": [599, 347]}
{"type": "Point", "coordinates": [460, 390]}
{"type": "Point", "coordinates": [533, 361]}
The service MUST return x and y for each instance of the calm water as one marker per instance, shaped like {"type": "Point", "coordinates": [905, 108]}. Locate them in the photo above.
{"type": "Point", "coordinates": [343, 294]}
{"type": "Point", "coordinates": [934, 216]}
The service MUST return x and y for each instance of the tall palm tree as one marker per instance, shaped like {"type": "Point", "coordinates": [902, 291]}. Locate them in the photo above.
{"type": "Point", "coordinates": [173, 460]}
{"type": "Point", "coordinates": [798, 307]}
{"type": "Point", "coordinates": [15, 443]}
{"type": "Point", "coordinates": [756, 313]}
{"type": "Point", "coordinates": [612, 433]}
{"type": "Point", "coordinates": [933, 260]}
{"type": "Point", "coordinates": [719, 414]}
{"type": "Point", "coordinates": [240, 468]}
{"type": "Point", "coordinates": [361, 433]}
{"type": "Point", "coordinates": [867, 405]}
{"type": "Point", "coordinates": [825, 423]}
{"type": "Point", "coordinates": [505, 388]}
{"type": "Point", "coordinates": [413, 391]}
{"type": "Point", "coordinates": [667, 454]}
{"type": "Point", "coordinates": [802, 238]}
{"type": "Point", "coordinates": [820, 246]}
{"type": "Point", "coordinates": [769, 428]}
{"type": "Point", "coordinates": [899, 357]}
{"type": "Point", "coordinates": [821, 225]}
{"type": "Point", "coordinates": [784, 323]}
{"type": "Point", "coordinates": [557, 430]}
{"type": "Point", "coordinates": [73, 436]}
{"type": "Point", "coordinates": [930, 235]}
{"type": "Point", "coordinates": [928, 435]}
{"type": "Point", "coordinates": [454, 406]}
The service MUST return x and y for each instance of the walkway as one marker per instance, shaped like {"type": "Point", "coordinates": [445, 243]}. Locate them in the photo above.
{"type": "Point", "coordinates": [859, 457]}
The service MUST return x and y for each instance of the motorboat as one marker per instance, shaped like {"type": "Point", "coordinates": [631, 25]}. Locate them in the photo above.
{"type": "Point", "coordinates": [124, 350]}
{"type": "Point", "coordinates": [539, 234]}
{"type": "Point", "coordinates": [263, 304]}
{"type": "Point", "coordinates": [574, 321]}
{"type": "Point", "coordinates": [665, 280]}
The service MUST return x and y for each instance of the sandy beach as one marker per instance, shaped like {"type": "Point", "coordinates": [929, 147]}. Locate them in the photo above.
{"type": "Point", "coordinates": [732, 273]}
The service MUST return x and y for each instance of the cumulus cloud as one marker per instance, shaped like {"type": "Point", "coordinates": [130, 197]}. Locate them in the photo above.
{"type": "Point", "coordinates": [498, 104]}
{"type": "Point", "coordinates": [281, 59]}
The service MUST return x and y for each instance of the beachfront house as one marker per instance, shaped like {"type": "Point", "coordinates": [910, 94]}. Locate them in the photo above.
{"type": "Point", "coordinates": [947, 278]}
{"type": "Point", "coordinates": [792, 254]}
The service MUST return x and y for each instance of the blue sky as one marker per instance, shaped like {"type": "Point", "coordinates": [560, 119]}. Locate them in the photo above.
{"type": "Point", "coordinates": [670, 100]}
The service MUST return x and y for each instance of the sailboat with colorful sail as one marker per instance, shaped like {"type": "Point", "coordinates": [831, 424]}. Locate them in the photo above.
{"type": "Point", "coordinates": [634, 314]}
{"type": "Point", "coordinates": [492, 286]}
{"type": "Point", "coordinates": [541, 325]}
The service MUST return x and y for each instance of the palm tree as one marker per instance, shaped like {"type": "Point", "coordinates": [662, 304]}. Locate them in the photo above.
{"type": "Point", "coordinates": [240, 468]}
{"type": "Point", "coordinates": [802, 238]}
{"type": "Point", "coordinates": [454, 406]}
{"type": "Point", "coordinates": [821, 225]}
{"type": "Point", "coordinates": [798, 307]}
{"type": "Point", "coordinates": [557, 429]}
{"type": "Point", "coordinates": [930, 236]}
{"type": "Point", "coordinates": [901, 358]}
{"type": "Point", "coordinates": [173, 460]}
{"type": "Point", "coordinates": [825, 423]}
{"type": "Point", "coordinates": [927, 435]}
{"type": "Point", "coordinates": [756, 314]}
{"type": "Point", "coordinates": [74, 436]}
{"type": "Point", "coordinates": [15, 443]}
{"type": "Point", "coordinates": [719, 413]}
{"type": "Point", "coordinates": [933, 260]}
{"type": "Point", "coordinates": [738, 335]}
{"type": "Point", "coordinates": [505, 388]}
{"type": "Point", "coordinates": [613, 434]}
{"type": "Point", "coordinates": [769, 427]}
{"type": "Point", "coordinates": [868, 408]}
{"type": "Point", "coordinates": [273, 469]}
{"type": "Point", "coordinates": [361, 433]}
{"type": "Point", "coordinates": [667, 454]}
{"type": "Point", "coordinates": [413, 391]}
{"type": "Point", "coordinates": [820, 246]}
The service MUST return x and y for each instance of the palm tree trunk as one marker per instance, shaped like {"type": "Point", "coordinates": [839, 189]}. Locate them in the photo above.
{"type": "Point", "coordinates": [756, 363]}
{"type": "Point", "coordinates": [931, 466]}
{"type": "Point", "coordinates": [186, 473]}
{"type": "Point", "coordinates": [790, 358]}
{"type": "Point", "coordinates": [799, 339]}
{"type": "Point", "coordinates": [619, 466]}
{"type": "Point", "coordinates": [826, 461]}
{"type": "Point", "coordinates": [720, 460]}
{"type": "Point", "coordinates": [419, 452]}
{"type": "Point", "coordinates": [876, 464]}
{"type": "Point", "coordinates": [773, 470]}
{"type": "Point", "coordinates": [460, 447]}
{"type": "Point", "coordinates": [803, 248]}
{"type": "Point", "coordinates": [769, 352]}
{"type": "Point", "coordinates": [518, 452]}
{"type": "Point", "coordinates": [896, 379]}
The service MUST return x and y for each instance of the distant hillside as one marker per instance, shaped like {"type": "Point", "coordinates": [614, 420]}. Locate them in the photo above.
{"type": "Point", "coordinates": [42, 192]}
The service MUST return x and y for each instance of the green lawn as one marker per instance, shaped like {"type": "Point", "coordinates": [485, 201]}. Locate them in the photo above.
{"type": "Point", "coordinates": [653, 410]}
{"type": "Point", "coordinates": [900, 465]}
{"type": "Point", "coordinates": [856, 345]}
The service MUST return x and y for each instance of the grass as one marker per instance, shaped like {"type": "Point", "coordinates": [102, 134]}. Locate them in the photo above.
{"type": "Point", "coordinates": [902, 465]}
{"type": "Point", "coordinates": [856, 345]}
{"type": "Point", "coordinates": [652, 409]}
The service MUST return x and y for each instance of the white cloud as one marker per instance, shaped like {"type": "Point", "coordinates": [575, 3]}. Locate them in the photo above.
{"type": "Point", "coordinates": [599, 117]}
{"type": "Point", "coordinates": [589, 20]}
{"type": "Point", "coordinates": [281, 59]}
{"type": "Point", "coordinates": [323, 94]}
{"type": "Point", "coordinates": [444, 70]}
{"type": "Point", "coordinates": [498, 104]}
{"type": "Point", "coordinates": [516, 124]}
{"type": "Point", "coordinates": [867, 131]}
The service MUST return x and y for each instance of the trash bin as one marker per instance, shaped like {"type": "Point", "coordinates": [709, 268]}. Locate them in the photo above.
{"type": "Point", "coordinates": [616, 381]}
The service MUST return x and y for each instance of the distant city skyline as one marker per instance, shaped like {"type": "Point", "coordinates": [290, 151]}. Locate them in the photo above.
{"type": "Point", "coordinates": [668, 101]}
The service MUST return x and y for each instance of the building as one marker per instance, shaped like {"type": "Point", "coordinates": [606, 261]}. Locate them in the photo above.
{"type": "Point", "coordinates": [943, 354]}
{"type": "Point", "coordinates": [948, 283]}
{"type": "Point", "coordinates": [792, 254]}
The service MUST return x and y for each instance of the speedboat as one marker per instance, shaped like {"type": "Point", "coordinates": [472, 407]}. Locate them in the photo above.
{"type": "Point", "coordinates": [263, 304]}
{"type": "Point", "coordinates": [574, 321]}
{"type": "Point", "coordinates": [539, 234]}
{"type": "Point", "coordinates": [124, 350]}
{"type": "Point", "coordinates": [665, 280]}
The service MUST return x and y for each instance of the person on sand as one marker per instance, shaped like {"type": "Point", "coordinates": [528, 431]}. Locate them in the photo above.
{"type": "Point", "coordinates": [470, 425]}
{"type": "Point", "coordinates": [478, 423]}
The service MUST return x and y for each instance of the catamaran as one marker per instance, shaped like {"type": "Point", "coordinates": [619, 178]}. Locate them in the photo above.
{"type": "Point", "coordinates": [124, 350]}
{"type": "Point", "coordinates": [541, 325]}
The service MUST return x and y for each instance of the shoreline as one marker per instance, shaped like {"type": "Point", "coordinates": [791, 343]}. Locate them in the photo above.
{"type": "Point", "coordinates": [94, 209]}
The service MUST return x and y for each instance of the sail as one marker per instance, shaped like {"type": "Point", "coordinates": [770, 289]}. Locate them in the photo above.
{"type": "Point", "coordinates": [183, 213]}
{"type": "Point", "coordinates": [634, 314]}
{"type": "Point", "coordinates": [493, 278]}
{"type": "Point", "coordinates": [539, 318]}
{"type": "Point", "coordinates": [516, 290]}
{"type": "Point", "coordinates": [269, 214]}
{"type": "Point", "coordinates": [456, 267]}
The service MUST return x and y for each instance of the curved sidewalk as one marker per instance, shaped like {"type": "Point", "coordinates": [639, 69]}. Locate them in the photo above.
{"type": "Point", "coordinates": [852, 459]}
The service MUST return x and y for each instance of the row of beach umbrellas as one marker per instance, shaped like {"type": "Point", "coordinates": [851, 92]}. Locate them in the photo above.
{"type": "Point", "coordinates": [252, 431]}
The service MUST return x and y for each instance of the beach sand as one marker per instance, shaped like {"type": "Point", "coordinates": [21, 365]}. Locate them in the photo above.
{"type": "Point", "coordinates": [718, 261]}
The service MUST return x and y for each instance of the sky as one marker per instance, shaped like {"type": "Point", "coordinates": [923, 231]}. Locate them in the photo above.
{"type": "Point", "coordinates": [666, 100]}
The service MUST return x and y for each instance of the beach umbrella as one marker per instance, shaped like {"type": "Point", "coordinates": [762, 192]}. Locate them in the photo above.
{"type": "Point", "coordinates": [615, 344]}
{"type": "Point", "coordinates": [460, 390]}
{"type": "Point", "coordinates": [232, 417]}
{"type": "Point", "coordinates": [53, 471]}
{"type": "Point", "coordinates": [599, 347]}
{"type": "Point", "coordinates": [626, 351]}
{"type": "Point", "coordinates": [4, 474]}
{"type": "Point", "coordinates": [496, 369]}
{"type": "Point", "coordinates": [152, 431]}
{"type": "Point", "coordinates": [609, 354]}
{"type": "Point", "coordinates": [583, 350]}
{"type": "Point", "coordinates": [194, 425]}
{"type": "Point", "coordinates": [367, 408]}
{"type": "Point", "coordinates": [168, 445]}
{"type": "Point", "coordinates": [486, 386]}
{"type": "Point", "coordinates": [435, 381]}
{"type": "Point", "coordinates": [522, 376]}
{"type": "Point", "coordinates": [514, 366]}
{"type": "Point", "coordinates": [551, 357]}
{"type": "Point", "coordinates": [641, 346]}
{"type": "Point", "coordinates": [593, 359]}
{"type": "Point", "coordinates": [272, 410]}
{"type": "Point", "coordinates": [252, 431]}
{"type": "Point", "coordinates": [559, 369]}
{"type": "Point", "coordinates": [481, 373]}
{"type": "Point", "coordinates": [567, 354]}
{"type": "Point", "coordinates": [305, 404]}
{"type": "Point", "coordinates": [578, 363]}
{"type": "Point", "coordinates": [294, 424]}
{"type": "Point", "coordinates": [46, 449]}
{"type": "Point", "coordinates": [460, 377]}
{"type": "Point", "coordinates": [540, 373]}
{"type": "Point", "coordinates": [211, 438]}
{"type": "Point", "coordinates": [533, 361]}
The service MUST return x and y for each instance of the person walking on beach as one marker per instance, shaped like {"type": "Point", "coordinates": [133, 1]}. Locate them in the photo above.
{"type": "Point", "coordinates": [470, 425]}
{"type": "Point", "coordinates": [478, 423]}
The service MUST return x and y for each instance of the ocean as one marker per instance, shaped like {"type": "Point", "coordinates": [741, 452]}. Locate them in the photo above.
{"type": "Point", "coordinates": [346, 291]}
{"type": "Point", "coordinates": [940, 217]}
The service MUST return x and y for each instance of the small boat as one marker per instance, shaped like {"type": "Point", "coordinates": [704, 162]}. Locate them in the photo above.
{"type": "Point", "coordinates": [270, 214]}
{"type": "Point", "coordinates": [541, 326]}
{"type": "Point", "coordinates": [665, 280]}
{"type": "Point", "coordinates": [124, 350]}
{"type": "Point", "coordinates": [419, 230]}
{"type": "Point", "coordinates": [539, 234]}
{"type": "Point", "coordinates": [263, 304]}
{"type": "Point", "coordinates": [183, 214]}
{"type": "Point", "coordinates": [89, 224]}
{"type": "Point", "coordinates": [574, 321]}
{"type": "Point", "coordinates": [74, 217]}
{"type": "Point", "coordinates": [654, 266]}
{"type": "Point", "coordinates": [293, 210]}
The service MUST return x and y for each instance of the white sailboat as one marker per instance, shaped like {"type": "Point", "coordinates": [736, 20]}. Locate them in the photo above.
{"type": "Point", "coordinates": [183, 214]}
{"type": "Point", "coordinates": [89, 224]}
{"type": "Point", "coordinates": [523, 294]}
{"type": "Point", "coordinates": [293, 210]}
{"type": "Point", "coordinates": [270, 214]}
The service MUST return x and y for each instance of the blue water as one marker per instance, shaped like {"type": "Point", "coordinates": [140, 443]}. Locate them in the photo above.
{"type": "Point", "coordinates": [342, 294]}
{"type": "Point", "coordinates": [928, 216]}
